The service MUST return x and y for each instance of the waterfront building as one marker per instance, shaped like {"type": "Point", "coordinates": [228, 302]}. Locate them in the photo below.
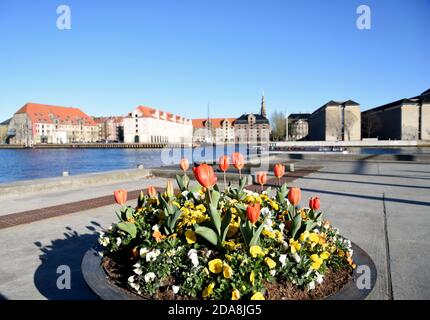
{"type": "Point", "coordinates": [336, 121]}
{"type": "Point", "coordinates": [40, 123]}
{"type": "Point", "coordinates": [253, 128]}
{"type": "Point", "coordinates": [213, 130]}
{"type": "Point", "coordinates": [149, 125]}
{"type": "Point", "coordinates": [3, 131]}
{"type": "Point", "coordinates": [111, 129]}
{"type": "Point", "coordinates": [404, 119]}
{"type": "Point", "coordinates": [298, 126]}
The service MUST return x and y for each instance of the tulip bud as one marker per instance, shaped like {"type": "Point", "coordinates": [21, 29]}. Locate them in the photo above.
{"type": "Point", "coordinates": [120, 196]}
{"type": "Point", "coordinates": [205, 175]}
{"type": "Point", "coordinates": [262, 178]}
{"type": "Point", "coordinates": [223, 163]}
{"type": "Point", "coordinates": [237, 160]}
{"type": "Point", "coordinates": [279, 170]}
{"type": "Point", "coordinates": [294, 195]}
{"type": "Point", "coordinates": [152, 193]}
{"type": "Point", "coordinates": [184, 164]}
{"type": "Point", "coordinates": [314, 203]}
{"type": "Point", "coordinates": [253, 212]}
{"type": "Point", "coordinates": [169, 189]}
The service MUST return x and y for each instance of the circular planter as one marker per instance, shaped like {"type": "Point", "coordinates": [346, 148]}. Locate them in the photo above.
{"type": "Point", "coordinates": [98, 280]}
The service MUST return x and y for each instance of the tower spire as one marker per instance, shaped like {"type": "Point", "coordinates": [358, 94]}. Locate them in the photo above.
{"type": "Point", "coordinates": [263, 106]}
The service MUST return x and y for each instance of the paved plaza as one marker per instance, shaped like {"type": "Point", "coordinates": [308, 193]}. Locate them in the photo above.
{"type": "Point", "coordinates": [384, 207]}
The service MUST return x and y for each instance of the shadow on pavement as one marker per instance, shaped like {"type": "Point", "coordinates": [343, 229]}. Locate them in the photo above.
{"type": "Point", "coordinates": [2, 297]}
{"type": "Point", "coordinates": [69, 252]}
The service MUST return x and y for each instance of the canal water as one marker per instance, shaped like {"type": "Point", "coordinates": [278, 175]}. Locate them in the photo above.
{"type": "Point", "coordinates": [28, 164]}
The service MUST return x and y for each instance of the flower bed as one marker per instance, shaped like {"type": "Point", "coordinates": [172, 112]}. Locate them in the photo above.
{"type": "Point", "coordinates": [232, 244]}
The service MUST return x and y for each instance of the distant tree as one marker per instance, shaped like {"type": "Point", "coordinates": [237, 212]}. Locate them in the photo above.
{"type": "Point", "coordinates": [334, 125]}
{"type": "Point", "coordinates": [349, 121]}
{"type": "Point", "coordinates": [277, 123]}
{"type": "Point", "coordinates": [371, 126]}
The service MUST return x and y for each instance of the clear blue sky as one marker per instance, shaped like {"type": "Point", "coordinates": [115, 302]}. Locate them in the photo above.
{"type": "Point", "coordinates": [179, 55]}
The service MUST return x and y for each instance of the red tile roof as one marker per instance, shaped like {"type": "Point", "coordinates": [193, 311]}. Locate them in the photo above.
{"type": "Point", "coordinates": [149, 112]}
{"type": "Point", "coordinates": [42, 113]}
{"type": "Point", "coordinates": [216, 122]}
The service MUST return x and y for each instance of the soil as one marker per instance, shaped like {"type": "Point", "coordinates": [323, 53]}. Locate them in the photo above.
{"type": "Point", "coordinates": [333, 282]}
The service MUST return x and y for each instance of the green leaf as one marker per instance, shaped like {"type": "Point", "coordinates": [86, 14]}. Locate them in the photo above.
{"type": "Point", "coordinates": [185, 181]}
{"type": "Point", "coordinates": [242, 184]}
{"type": "Point", "coordinates": [195, 188]}
{"type": "Point", "coordinates": [256, 235]}
{"type": "Point", "coordinates": [225, 225]}
{"type": "Point", "coordinates": [215, 196]}
{"type": "Point", "coordinates": [310, 225]}
{"type": "Point", "coordinates": [173, 219]}
{"type": "Point", "coordinates": [297, 223]}
{"type": "Point", "coordinates": [180, 182]}
{"type": "Point", "coordinates": [246, 233]}
{"type": "Point", "coordinates": [128, 227]}
{"type": "Point", "coordinates": [128, 214]}
{"type": "Point", "coordinates": [215, 217]}
{"type": "Point", "coordinates": [207, 234]}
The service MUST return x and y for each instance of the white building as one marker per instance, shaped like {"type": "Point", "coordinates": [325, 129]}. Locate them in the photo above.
{"type": "Point", "coordinates": [148, 125]}
{"type": "Point", "coordinates": [214, 130]}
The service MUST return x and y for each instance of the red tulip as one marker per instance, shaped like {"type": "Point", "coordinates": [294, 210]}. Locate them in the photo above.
{"type": "Point", "coordinates": [314, 203]}
{"type": "Point", "coordinates": [152, 193]}
{"type": "Point", "coordinates": [279, 170]}
{"type": "Point", "coordinates": [205, 175]}
{"type": "Point", "coordinates": [253, 212]}
{"type": "Point", "coordinates": [184, 164]}
{"type": "Point", "coordinates": [120, 196]}
{"type": "Point", "coordinates": [262, 178]}
{"type": "Point", "coordinates": [237, 160]}
{"type": "Point", "coordinates": [294, 195]}
{"type": "Point", "coordinates": [223, 163]}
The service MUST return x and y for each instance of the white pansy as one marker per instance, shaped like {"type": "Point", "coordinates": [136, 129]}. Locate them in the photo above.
{"type": "Point", "coordinates": [175, 289]}
{"type": "Point", "coordinates": [110, 227]}
{"type": "Point", "coordinates": [135, 286]}
{"type": "Point", "coordinates": [104, 241]}
{"type": "Point", "coordinates": [152, 255]}
{"type": "Point", "coordinates": [118, 241]}
{"type": "Point", "coordinates": [319, 278]}
{"type": "Point", "coordinates": [316, 230]}
{"type": "Point", "coordinates": [155, 227]}
{"type": "Point", "coordinates": [136, 265]}
{"type": "Point", "coordinates": [265, 211]}
{"type": "Point", "coordinates": [281, 226]}
{"type": "Point", "coordinates": [282, 259]}
{"type": "Point", "coordinates": [192, 255]}
{"type": "Point", "coordinates": [285, 244]}
{"type": "Point", "coordinates": [297, 257]}
{"type": "Point", "coordinates": [310, 286]}
{"type": "Point", "coordinates": [149, 277]}
{"type": "Point", "coordinates": [208, 253]}
{"type": "Point", "coordinates": [197, 195]}
{"type": "Point", "coordinates": [185, 193]}
{"type": "Point", "coordinates": [138, 271]}
{"type": "Point", "coordinates": [143, 252]}
{"type": "Point", "coordinates": [101, 235]}
{"type": "Point", "coordinates": [272, 273]}
{"type": "Point", "coordinates": [130, 279]}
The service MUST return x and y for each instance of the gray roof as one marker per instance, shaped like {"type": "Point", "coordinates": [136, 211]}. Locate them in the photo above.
{"type": "Point", "coordinates": [297, 116]}
{"type": "Point", "coordinates": [337, 103]}
{"type": "Point", "coordinates": [259, 119]}
{"type": "Point", "coordinates": [424, 97]}
{"type": "Point", "coordinates": [5, 123]}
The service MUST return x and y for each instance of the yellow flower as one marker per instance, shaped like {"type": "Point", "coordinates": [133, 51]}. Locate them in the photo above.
{"type": "Point", "coordinates": [215, 265]}
{"type": "Point", "coordinates": [315, 265]}
{"type": "Point", "coordinates": [227, 271]}
{"type": "Point", "coordinates": [258, 296]}
{"type": "Point", "coordinates": [313, 237]}
{"type": "Point", "coordinates": [201, 208]}
{"type": "Point", "coordinates": [341, 253]}
{"type": "Point", "coordinates": [176, 204]}
{"type": "Point", "coordinates": [271, 264]}
{"type": "Point", "coordinates": [235, 295]}
{"type": "Point", "coordinates": [279, 236]}
{"type": "Point", "coordinates": [230, 244]}
{"type": "Point", "coordinates": [208, 290]}
{"type": "Point", "coordinates": [252, 278]}
{"type": "Point", "coordinates": [190, 235]}
{"type": "Point", "coordinates": [256, 251]}
{"type": "Point", "coordinates": [304, 236]}
{"type": "Point", "coordinates": [266, 232]}
{"type": "Point", "coordinates": [274, 205]}
{"type": "Point", "coordinates": [233, 210]}
{"type": "Point", "coordinates": [295, 246]}
{"type": "Point", "coordinates": [325, 255]}
{"type": "Point", "coordinates": [317, 261]}
{"type": "Point", "coordinates": [314, 257]}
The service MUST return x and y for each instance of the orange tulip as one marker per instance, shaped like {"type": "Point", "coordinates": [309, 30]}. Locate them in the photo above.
{"type": "Point", "coordinates": [205, 175]}
{"type": "Point", "coordinates": [152, 193]}
{"type": "Point", "coordinates": [169, 188]}
{"type": "Point", "coordinates": [294, 195]}
{"type": "Point", "coordinates": [262, 178]}
{"type": "Point", "coordinates": [223, 163]}
{"type": "Point", "coordinates": [253, 212]}
{"type": "Point", "coordinates": [314, 203]}
{"type": "Point", "coordinates": [184, 164]}
{"type": "Point", "coordinates": [120, 196]}
{"type": "Point", "coordinates": [279, 170]}
{"type": "Point", "coordinates": [237, 160]}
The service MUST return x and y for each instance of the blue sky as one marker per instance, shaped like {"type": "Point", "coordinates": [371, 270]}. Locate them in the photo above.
{"type": "Point", "coordinates": [181, 55]}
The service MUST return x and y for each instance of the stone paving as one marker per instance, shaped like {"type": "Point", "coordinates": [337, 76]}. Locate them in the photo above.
{"type": "Point", "coordinates": [383, 207]}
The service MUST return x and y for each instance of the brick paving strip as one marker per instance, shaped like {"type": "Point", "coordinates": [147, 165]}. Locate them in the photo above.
{"type": "Point", "coordinates": [19, 218]}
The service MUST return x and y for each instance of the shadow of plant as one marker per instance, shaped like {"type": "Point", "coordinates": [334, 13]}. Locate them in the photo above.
{"type": "Point", "coordinates": [69, 252]}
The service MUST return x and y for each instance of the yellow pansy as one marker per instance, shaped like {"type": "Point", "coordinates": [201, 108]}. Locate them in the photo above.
{"type": "Point", "coordinates": [266, 232]}
{"type": "Point", "coordinates": [270, 263]}
{"type": "Point", "coordinates": [325, 255]}
{"type": "Point", "coordinates": [235, 295]}
{"type": "Point", "coordinates": [190, 235]}
{"type": "Point", "coordinates": [215, 265]}
{"type": "Point", "coordinates": [201, 208]}
{"type": "Point", "coordinates": [208, 290]}
{"type": "Point", "coordinates": [314, 257]}
{"type": "Point", "coordinates": [256, 251]}
{"type": "Point", "coordinates": [279, 236]}
{"type": "Point", "coordinates": [295, 246]}
{"type": "Point", "coordinates": [304, 236]}
{"type": "Point", "coordinates": [185, 211]}
{"type": "Point", "coordinates": [274, 205]}
{"type": "Point", "coordinates": [257, 296]}
{"type": "Point", "coordinates": [227, 271]}
{"type": "Point", "coordinates": [252, 278]}
{"type": "Point", "coordinates": [313, 237]}
{"type": "Point", "coordinates": [176, 204]}
{"type": "Point", "coordinates": [341, 253]}
{"type": "Point", "coordinates": [315, 265]}
{"type": "Point", "coordinates": [317, 261]}
{"type": "Point", "coordinates": [233, 210]}
{"type": "Point", "coordinates": [230, 244]}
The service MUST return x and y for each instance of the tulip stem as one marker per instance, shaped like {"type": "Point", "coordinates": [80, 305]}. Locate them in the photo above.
{"type": "Point", "coordinates": [225, 182]}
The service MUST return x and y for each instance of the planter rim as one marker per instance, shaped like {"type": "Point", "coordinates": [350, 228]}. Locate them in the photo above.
{"type": "Point", "coordinates": [99, 282]}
